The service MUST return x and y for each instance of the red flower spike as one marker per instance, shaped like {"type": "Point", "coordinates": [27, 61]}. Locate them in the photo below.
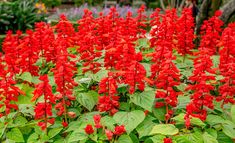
{"type": "Point", "coordinates": [185, 32]}
{"type": "Point", "coordinates": [119, 130]}
{"type": "Point", "coordinates": [97, 119]}
{"type": "Point", "coordinates": [167, 140]}
{"type": "Point", "coordinates": [164, 72]}
{"type": "Point", "coordinates": [227, 66]}
{"type": "Point", "coordinates": [9, 93]}
{"type": "Point", "coordinates": [43, 110]}
{"type": "Point", "coordinates": [89, 129]}
{"type": "Point", "coordinates": [65, 124]}
{"type": "Point", "coordinates": [210, 35]}
{"type": "Point", "coordinates": [109, 134]}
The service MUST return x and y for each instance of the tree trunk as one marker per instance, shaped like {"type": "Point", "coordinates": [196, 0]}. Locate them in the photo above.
{"type": "Point", "coordinates": [203, 14]}
{"type": "Point", "coordinates": [228, 9]}
{"type": "Point", "coordinates": [162, 5]}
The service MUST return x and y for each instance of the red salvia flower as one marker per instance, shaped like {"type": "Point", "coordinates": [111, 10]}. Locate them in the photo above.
{"type": "Point", "coordinates": [89, 129]}
{"type": "Point", "coordinates": [12, 51]}
{"type": "Point", "coordinates": [227, 66]}
{"type": "Point", "coordinates": [167, 140]}
{"type": "Point", "coordinates": [119, 130]}
{"type": "Point", "coordinates": [97, 119]}
{"type": "Point", "coordinates": [185, 32]}
{"type": "Point", "coordinates": [201, 97]}
{"type": "Point", "coordinates": [43, 110]}
{"type": "Point", "coordinates": [108, 102]}
{"type": "Point", "coordinates": [109, 134]}
{"type": "Point", "coordinates": [210, 34]}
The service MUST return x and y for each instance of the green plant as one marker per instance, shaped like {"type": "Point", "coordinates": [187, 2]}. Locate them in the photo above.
{"type": "Point", "coordinates": [81, 2]}
{"type": "Point", "coordinates": [6, 15]}
{"type": "Point", "coordinates": [52, 3]}
{"type": "Point", "coordinates": [18, 15]}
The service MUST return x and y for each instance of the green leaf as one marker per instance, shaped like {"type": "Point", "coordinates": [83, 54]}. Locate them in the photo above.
{"type": "Point", "coordinates": [159, 113]}
{"type": "Point", "coordinates": [145, 127]}
{"type": "Point", "coordinates": [228, 130]}
{"type": "Point", "coordinates": [134, 138]}
{"type": "Point", "coordinates": [77, 135]}
{"type": "Point", "coordinates": [144, 99]}
{"type": "Point", "coordinates": [157, 138]}
{"type": "Point", "coordinates": [207, 138]}
{"type": "Point", "coordinates": [233, 113]}
{"type": "Point", "coordinates": [222, 138]}
{"type": "Point", "coordinates": [108, 122]}
{"type": "Point", "coordinates": [99, 75]}
{"type": "Point", "coordinates": [129, 119]}
{"type": "Point", "coordinates": [26, 76]}
{"type": "Point", "coordinates": [15, 135]}
{"type": "Point", "coordinates": [164, 129]}
{"type": "Point", "coordinates": [33, 138]}
{"type": "Point", "coordinates": [214, 119]}
{"type": "Point", "coordinates": [147, 67]}
{"type": "Point", "coordinates": [124, 139]}
{"type": "Point", "coordinates": [194, 121]}
{"type": "Point", "coordinates": [195, 137]}
{"type": "Point", "coordinates": [183, 101]}
{"type": "Point", "coordinates": [26, 99]}
{"type": "Point", "coordinates": [20, 120]}
{"type": "Point", "coordinates": [88, 99]}
{"type": "Point", "coordinates": [53, 132]}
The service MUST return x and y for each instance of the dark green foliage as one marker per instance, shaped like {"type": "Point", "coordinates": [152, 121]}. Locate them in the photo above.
{"type": "Point", "coordinates": [18, 15]}
{"type": "Point", "coordinates": [52, 3]}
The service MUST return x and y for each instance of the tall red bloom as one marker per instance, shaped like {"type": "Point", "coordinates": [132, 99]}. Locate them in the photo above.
{"type": "Point", "coordinates": [109, 101]}
{"type": "Point", "coordinates": [8, 91]}
{"type": "Point", "coordinates": [227, 66]}
{"type": "Point", "coordinates": [43, 110]}
{"type": "Point", "coordinates": [163, 71]}
{"type": "Point", "coordinates": [185, 32]}
{"type": "Point", "coordinates": [201, 97]}
{"type": "Point", "coordinates": [86, 39]}
{"type": "Point", "coordinates": [97, 119]}
{"type": "Point", "coordinates": [12, 51]}
{"type": "Point", "coordinates": [210, 33]}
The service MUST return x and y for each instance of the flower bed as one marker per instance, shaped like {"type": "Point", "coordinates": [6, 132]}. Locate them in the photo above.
{"type": "Point", "coordinates": [106, 82]}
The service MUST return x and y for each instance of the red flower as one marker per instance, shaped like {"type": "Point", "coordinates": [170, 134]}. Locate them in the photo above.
{"type": "Point", "coordinates": [227, 66]}
{"type": "Point", "coordinates": [185, 32]}
{"type": "Point", "coordinates": [42, 125]}
{"type": "Point", "coordinates": [167, 140]}
{"type": "Point", "coordinates": [43, 110]}
{"type": "Point", "coordinates": [210, 34]}
{"type": "Point", "coordinates": [65, 124]}
{"type": "Point", "coordinates": [97, 119]}
{"type": "Point", "coordinates": [109, 134]}
{"type": "Point", "coordinates": [89, 129]}
{"type": "Point", "coordinates": [119, 130]}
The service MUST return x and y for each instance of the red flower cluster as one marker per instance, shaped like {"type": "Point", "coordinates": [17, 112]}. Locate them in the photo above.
{"type": "Point", "coordinates": [167, 140]}
{"type": "Point", "coordinates": [227, 66]}
{"type": "Point", "coordinates": [89, 129]}
{"type": "Point", "coordinates": [8, 91]}
{"type": "Point", "coordinates": [43, 110]}
{"type": "Point", "coordinates": [203, 71]}
{"type": "Point", "coordinates": [97, 119]}
{"type": "Point", "coordinates": [164, 72]}
{"type": "Point", "coordinates": [185, 32]}
{"type": "Point", "coordinates": [210, 31]}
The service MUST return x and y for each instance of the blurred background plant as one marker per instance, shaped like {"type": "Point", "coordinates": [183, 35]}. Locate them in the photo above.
{"type": "Point", "coordinates": [75, 13]}
{"type": "Point", "coordinates": [20, 15]}
{"type": "Point", "coordinates": [51, 3]}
